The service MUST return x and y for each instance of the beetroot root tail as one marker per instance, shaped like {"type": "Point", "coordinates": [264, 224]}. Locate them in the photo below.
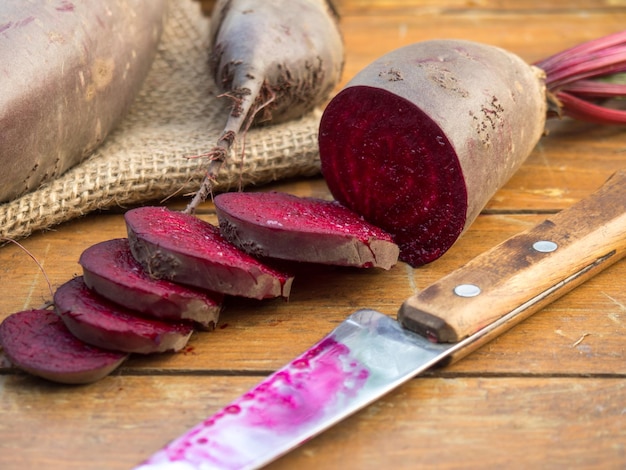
{"type": "Point", "coordinates": [243, 112]}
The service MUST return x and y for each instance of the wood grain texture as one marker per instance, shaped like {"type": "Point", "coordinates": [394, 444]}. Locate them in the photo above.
{"type": "Point", "coordinates": [478, 422]}
{"type": "Point", "coordinates": [381, 7]}
{"type": "Point", "coordinates": [547, 394]}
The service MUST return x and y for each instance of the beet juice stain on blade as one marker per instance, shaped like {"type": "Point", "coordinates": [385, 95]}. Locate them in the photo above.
{"type": "Point", "coordinates": [365, 356]}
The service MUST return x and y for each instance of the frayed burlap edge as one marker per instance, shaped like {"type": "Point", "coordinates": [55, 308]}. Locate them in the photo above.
{"type": "Point", "coordinates": [176, 115]}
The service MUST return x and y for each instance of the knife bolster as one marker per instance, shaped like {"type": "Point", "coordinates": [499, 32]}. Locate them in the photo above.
{"type": "Point", "coordinates": [421, 322]}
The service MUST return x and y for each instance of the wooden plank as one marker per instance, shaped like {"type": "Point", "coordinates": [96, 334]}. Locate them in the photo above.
{"type": "Point", "coordinates": [371, 36]}
{"type": "Point", "coordinates": [382, 7]}
{"type": "Point", "coordinates": [479, 423]}
{"type": "Point", "coordinates": [529, 422]}
{"type": "Point", "coordinates": [569, 163]}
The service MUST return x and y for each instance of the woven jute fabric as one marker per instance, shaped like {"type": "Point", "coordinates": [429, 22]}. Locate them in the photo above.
{"type": "Point", "coordinates": [177, 115]}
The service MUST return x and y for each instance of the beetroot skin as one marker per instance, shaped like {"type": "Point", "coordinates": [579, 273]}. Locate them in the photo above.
{"type": "Point", "coordinates": [110, 270]}
{"type": "Point", "coordinates": [283, 226]}
{"type": "Point", "coordinates": [422, 138]}
{"type": "Point", "coordinates": [101, 323]}
{"type": "Point", "coordinates": [38, 342]}
{"type": "Point", "coordinates": [182, 248]}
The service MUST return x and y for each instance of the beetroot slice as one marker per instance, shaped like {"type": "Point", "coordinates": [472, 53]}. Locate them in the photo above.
{"type": "Point", "coordinates": [101, 323]}
{"type": "Point", "coordinates": [38, 342]}
{"type": "Point", "coordinates": [401, 172]}
{"type": "Point", "coordinates": [182, 248]}
{"type": "Point", "coordinates": [110, 270]}
{"type": "Point", "coordinates": [284, 226]}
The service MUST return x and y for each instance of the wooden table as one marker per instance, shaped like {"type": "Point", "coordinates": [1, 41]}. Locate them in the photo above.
{"type": "Point", "coordinates": [551, 393]}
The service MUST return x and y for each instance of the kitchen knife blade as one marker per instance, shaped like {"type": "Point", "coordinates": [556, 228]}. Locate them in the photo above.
{"type": "Point", "coordinates": [369, 354]}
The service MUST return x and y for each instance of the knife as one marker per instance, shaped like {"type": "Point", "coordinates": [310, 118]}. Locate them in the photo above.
{"type": "Point", "coordinates": [370, 354]}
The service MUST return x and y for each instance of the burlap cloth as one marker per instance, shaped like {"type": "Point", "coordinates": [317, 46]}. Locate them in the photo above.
{"type": "Point", "coordinates": [176, 115]}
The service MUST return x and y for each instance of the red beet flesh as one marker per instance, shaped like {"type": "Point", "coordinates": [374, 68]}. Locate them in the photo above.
{"type": "Point", "coordinates": [101, 323]}
{"type": "Point", "coordinates": [110, 270]}
{"type": "Point", "coordinates": [38, 342]}
{"type": "Point", "coordinates": [380, 162]}
{"type": "Point", "coordinates": [182, 248]}
{"type": "Point", "coordinates": [283, 226]}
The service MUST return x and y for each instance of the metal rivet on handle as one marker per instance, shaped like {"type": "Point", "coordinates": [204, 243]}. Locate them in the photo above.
{"type": "Point", "coordinates": [467, 290]}
{"type": "Point", "coordinates": [545, 246]}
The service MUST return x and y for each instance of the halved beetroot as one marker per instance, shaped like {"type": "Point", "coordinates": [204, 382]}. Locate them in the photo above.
{"type": "Point", "coordinates": [102, 323]}
{"type": "Point", "coordinates": [182, 248]}
{"type": "Point", "coordinates": [38, 342]}
{"type": "Point", "coordinates": [110, 270]}
{"type": "Point", "coordinates": [421, 139]}
{"type": "Point", "coordinates": [284, 226]}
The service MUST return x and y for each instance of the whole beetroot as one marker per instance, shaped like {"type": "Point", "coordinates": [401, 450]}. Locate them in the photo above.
{"type": "Point", "coordinates": [70, 71]}
{"type": "Point", "coordinates": [276, 60]}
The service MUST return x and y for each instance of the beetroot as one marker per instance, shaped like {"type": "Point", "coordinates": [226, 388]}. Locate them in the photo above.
{"type": "Point", "coordinates": [110, 270]}
{"type": "Point", "coordinates": [422, 138]}
{"type": "Point", "coordinates": [101, 323]}
{"type": "Point", "coordinates": [282, 57]}
{"type": "Point", "coordinates": [182, 248]}
{"type": "Point", "coordinates": [38, 342]}
{"type": "Point", "coordinates": [284, 226]}
{"type": "Point", "coordinates": [70, 71]}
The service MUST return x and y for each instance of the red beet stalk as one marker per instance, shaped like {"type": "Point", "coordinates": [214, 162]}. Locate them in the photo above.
{"type": "Point", "coordinates": [580, 79]}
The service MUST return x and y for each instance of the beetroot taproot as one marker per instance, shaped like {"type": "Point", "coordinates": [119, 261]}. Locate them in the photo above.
{"type": "Point", "coordinates": [110, 270]}
{"type": "Point", "coordinates": [275, 60]}
{"type": "Point", "coordinates": [101, 323]}
{"type": "Point", "coordinates": [284, 226]}
{"type": "Point", "coordinates": [70, 71]}
{"type": "Point", "coordinates": [38, 342]}
{"type": "Point", "coordinates": [420, 140]}
{"type": "Point", "coordinates": [182, 248]}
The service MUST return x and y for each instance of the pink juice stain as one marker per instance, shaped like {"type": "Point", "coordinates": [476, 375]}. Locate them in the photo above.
{"type": "Point", "coordinates": [287, 403]}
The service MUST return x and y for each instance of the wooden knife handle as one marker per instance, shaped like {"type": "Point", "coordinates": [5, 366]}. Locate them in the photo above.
{"type": "Point", "coordinates": [526, 272]}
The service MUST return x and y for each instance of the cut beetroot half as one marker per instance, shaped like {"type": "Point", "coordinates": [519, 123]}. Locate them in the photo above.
{"type": "Point", "coordinates": [182, 248]}
{"type": "Point", "coordinates": [99, 322]}
{"type": "Point", "coordinates": [284, 226]}
{"type": "Point", "coordinates": [110, 270]}
{"type": "Point", "coordinates": [420, 140]}
{"type": "Point", "coordinates": [387, 170]}
{"type": "Point", "coordinates": [38, 342]}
